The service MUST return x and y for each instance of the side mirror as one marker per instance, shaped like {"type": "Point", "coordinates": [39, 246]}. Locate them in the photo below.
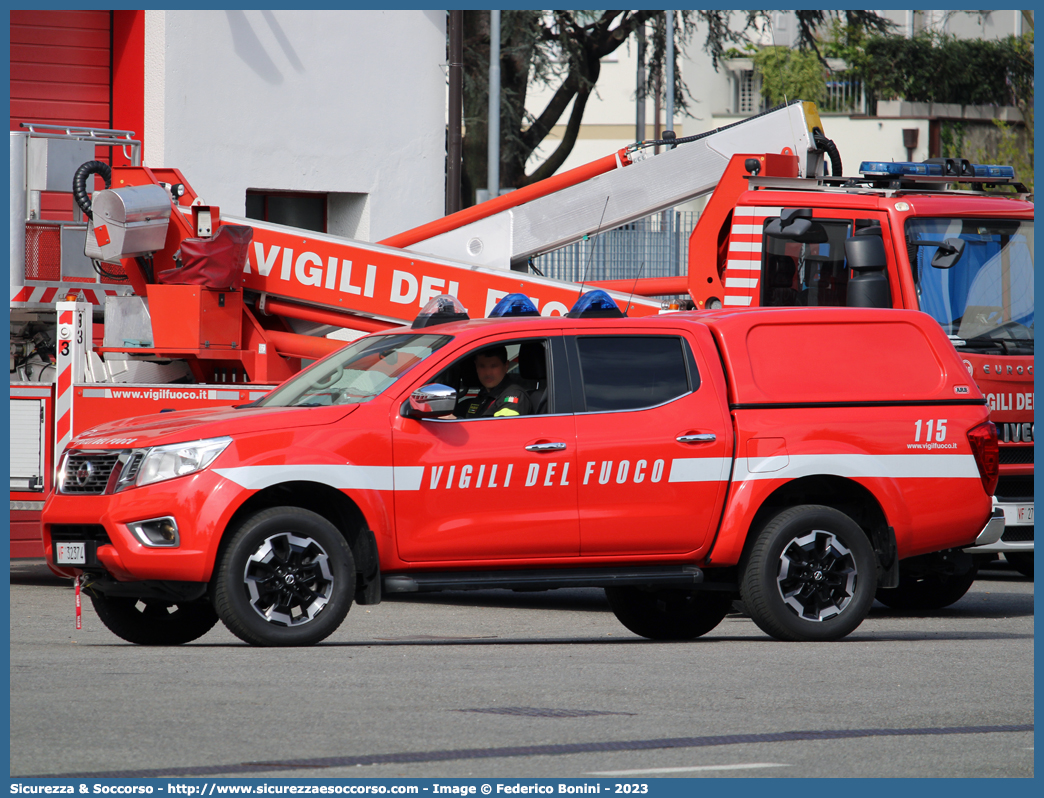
{"type": "Point", "coordinates": [866, 253]}
{"type": "Point", "coordinates": [432, 401]}
{"type": "Point", "coordinates": [948, 253]}
{"type": "Point", "coordinates": [796, 224]}
{"type": "Point", "coordinates": [868, 261]}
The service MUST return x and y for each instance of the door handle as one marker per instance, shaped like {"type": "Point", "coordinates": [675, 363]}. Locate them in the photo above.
{"type": "Point", "coordinates": [545, 447]}
{"type": "Point", "coordinates": [704, 437]}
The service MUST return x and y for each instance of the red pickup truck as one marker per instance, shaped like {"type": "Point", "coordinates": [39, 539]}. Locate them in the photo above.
{"type": "Point", "coordinates": [784, 456]}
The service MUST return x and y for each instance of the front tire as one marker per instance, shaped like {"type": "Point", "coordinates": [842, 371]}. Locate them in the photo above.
{"type": "Point", "coordinates": [1021, 561]}
{"type": "Point", "coordinates": [811, 575]}
{"type": "Point", "coordinates": [668, 614]}
{"type": "Point", "coordinates": [154, 622]}
{"type": "Point", "coordinates": [287, 578]}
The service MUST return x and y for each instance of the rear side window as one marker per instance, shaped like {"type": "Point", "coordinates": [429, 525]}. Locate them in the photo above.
{"type": "Point", "coordinates": [632, 372]}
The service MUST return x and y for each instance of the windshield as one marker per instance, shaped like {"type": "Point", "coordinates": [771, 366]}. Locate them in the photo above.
{"type": "Point", "coordinates": [356, 373]}
{"type": "Point", "coordinates": [987, 297]}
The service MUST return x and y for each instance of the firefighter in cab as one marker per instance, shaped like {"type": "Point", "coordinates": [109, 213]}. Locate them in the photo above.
{"type": "Point", "coordinates": [501, 395]}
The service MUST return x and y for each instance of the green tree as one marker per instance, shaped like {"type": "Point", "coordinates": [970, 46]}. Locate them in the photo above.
{"type": "Point", "coordinates": [788, 74]}
{"type": "Point", "coordinates": [563, 50]}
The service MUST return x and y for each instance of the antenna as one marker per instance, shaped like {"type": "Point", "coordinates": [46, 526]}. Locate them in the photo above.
{"type": "Point", "coordinates": [583, 275]}
{"type": "Point", "coordinates": [633, 286]}
{"type": "Point", "coordinates": [779, 65]}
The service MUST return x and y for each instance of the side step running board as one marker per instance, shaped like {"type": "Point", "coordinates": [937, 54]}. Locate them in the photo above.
{"type": "Point", "coordinates": [661, 576]}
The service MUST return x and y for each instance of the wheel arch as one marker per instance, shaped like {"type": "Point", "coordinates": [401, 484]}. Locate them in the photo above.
{"type": "Point", "coordinates": [333, 505]}
{"type": "Point", "coordinates": [842, 494]}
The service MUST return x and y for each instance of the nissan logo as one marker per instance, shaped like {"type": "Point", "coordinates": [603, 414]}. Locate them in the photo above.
{"type": "Point", "coordinates": [84, 473]}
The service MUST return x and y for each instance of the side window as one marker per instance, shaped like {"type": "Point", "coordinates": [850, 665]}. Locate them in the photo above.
{"type": "Point", "coordinates": [505, 375]}
{"type": "Point", "coordinates": [806, 273]}
{"type": "Point", "coordinates": [634, 371]}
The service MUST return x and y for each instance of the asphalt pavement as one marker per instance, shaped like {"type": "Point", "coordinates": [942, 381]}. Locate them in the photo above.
{"type": "Point", "coordinates": [497, 683]}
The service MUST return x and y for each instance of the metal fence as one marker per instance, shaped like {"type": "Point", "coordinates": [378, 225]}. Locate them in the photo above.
{"type": "Point", "coordinates": [656, 246]}
{"type": "Point", "coordinates": [844, 94]}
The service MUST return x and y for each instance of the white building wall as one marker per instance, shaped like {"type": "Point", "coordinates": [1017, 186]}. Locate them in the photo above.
{"type": "Point", "coordinates": [347, 102]}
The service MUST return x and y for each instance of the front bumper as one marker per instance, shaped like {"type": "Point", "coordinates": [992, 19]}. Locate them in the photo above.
{"type": "Point", "coordinates": [201, 505]}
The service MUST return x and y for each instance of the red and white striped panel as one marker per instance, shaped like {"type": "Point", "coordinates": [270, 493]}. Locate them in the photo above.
{"type": "Point", "coordinates": [46, 295]}
{"type": "Point", "coordinates": [743, 269]}
{"type": "Point", "coordinates": [73, 342]}
{"type": "Point", "coordinates": [63, 384]}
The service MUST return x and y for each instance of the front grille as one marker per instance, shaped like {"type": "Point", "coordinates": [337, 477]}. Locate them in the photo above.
{"type": "Point", "coordinates": [87, 473]}
{"type": "Point", "coordinates": [1017, 534]}
{"type": "Point", "coordinates": [79, 532]}
{"type": "Point", "coordinates": [1011, 489]}
{"type": "Point", "coordinates": [1016, 455]}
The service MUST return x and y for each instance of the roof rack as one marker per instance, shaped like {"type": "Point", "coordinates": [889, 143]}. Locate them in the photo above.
{"type": "Point", "coordinates": [920, 184]}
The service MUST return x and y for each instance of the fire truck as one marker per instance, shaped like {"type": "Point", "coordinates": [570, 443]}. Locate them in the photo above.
{"type": "Point", "coordinates": [163, 346]}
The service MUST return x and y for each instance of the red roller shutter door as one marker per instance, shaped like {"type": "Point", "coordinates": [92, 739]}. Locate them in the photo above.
{"type": "Point", "coordinates": [61, 74]}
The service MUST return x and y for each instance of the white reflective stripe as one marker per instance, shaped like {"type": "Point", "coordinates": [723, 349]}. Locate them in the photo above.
{"type": "Point", "coordinates": [745, 265]}
{"type": "Point", "coordinates": [408, 477]}
{"type": "Point", "coordinates": [746, 229]}
{"type": "Point", "coordinates": [222, 394]}
{"type": "Point", "coordinates": [97, 393]}
{"type": "Point", "coordinates": [741, 282]}
{"type": "Point", "coordinates": [744, 246]}
{"type": "Point", "coordinates": [737, 300]}
{"type": "Point", "coordinates": [344, 477]}
{"type": "Point", "coordinates": [748, 210]}
{"type": "Point", "coordinates": [765, 465]}
{"type": "Point", "coordinates": [885, 466]}
{"type": "Point", "coordinates": [33, 393]}
{"type": "Point", "coordinates": [699, 469]}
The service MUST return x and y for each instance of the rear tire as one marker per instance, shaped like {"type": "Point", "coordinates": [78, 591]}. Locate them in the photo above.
{"type": "Point", "coordinates": [927, 591]}
{"type": "Point", "coordinates": [811, 575]}
{"type": "Point", "coordinates": [668, 614]}
{"type": "Point", "coordinates": [287, 578]}
{"type": "Point", "coordinates": [1021, 561]}
{"type": "Point", "coordinates": [154, 622]}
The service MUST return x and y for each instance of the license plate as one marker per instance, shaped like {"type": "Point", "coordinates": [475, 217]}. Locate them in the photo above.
{"type": "Point", "coordinates": [1025, 513]}
{"type": "Point", "coordinates": [70, 554]}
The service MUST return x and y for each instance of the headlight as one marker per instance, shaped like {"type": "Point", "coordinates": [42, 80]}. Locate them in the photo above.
{"type": "Point", "coordinates": [179, 459]}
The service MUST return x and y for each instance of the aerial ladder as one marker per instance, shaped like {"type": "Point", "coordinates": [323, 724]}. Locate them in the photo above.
{"type": "Point", "coordinates": [505, 232]}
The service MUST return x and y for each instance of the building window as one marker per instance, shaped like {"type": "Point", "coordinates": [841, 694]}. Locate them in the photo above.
{"type": "Point", "coordinates": [294, 209]}
{"type": "Point", "coordinates": [749, 92]}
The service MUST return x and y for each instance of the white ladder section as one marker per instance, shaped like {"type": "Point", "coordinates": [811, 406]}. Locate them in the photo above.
{"type": "Point", "coordinates": [623, 195]}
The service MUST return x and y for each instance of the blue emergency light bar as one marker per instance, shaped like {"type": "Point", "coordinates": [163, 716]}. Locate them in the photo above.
{"type": "Point", "coordinates": [909, 169]}
{"type": "Point", "coordinates": [514, 305]}
{"type": "Point", "coordinates": [595, 304]}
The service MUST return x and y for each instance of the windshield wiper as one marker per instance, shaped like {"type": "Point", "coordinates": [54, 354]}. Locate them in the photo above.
{"type": "Point", "coordinates": [1006, 345]}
